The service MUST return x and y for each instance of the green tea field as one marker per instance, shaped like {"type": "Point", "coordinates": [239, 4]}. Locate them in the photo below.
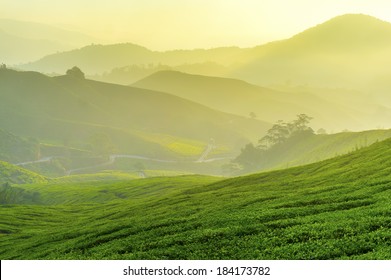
{"type": "Point", "coordinates": [334, 209]}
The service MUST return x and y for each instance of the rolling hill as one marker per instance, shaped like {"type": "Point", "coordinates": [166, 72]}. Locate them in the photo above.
{"type": "Point", "coordinates": [16, 175]}
{"type": "Point", "coordinates": [334, 209]}
{"type": "Point", "coordinates": [306, 147]}
{"type": "Point", "coordinates": [16, 149]}
{"type": "Point", "coordinates": [238, 97]}
{"type": "Point", "coordinates": [97, 59]}
{"type": "Point", "coordinates": [107, 118]}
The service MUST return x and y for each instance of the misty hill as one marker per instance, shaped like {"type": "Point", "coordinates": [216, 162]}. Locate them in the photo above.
{"type": "Point", "coordinates": [334, 209]}
{"type": "Point", "coordinates": [346, 51]}
{"type": "Point", "coordinates": [96, 59]}
{"type": "Point", "coordinates": [41, 40]}
{"type": "Point", "coordinates": [13, 48]}
{"type": "Point", "coordinates": [330, 109]}
{"type": "Point", "coordinates": [108, 118]}
{"type": "Point", "coordinates": [349, 51]}
{"type": "Point", "coordinates": [133, 73]}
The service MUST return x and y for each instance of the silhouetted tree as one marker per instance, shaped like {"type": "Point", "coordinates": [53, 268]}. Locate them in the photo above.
{"type": "Point", "coordinates": [277, 134]}
{"type": "Point", "coordinates": [300, 124]}
{"type": "Point", "coordinates": [76, 73]}
{"type": "Point", "coordinates": [282, 131]}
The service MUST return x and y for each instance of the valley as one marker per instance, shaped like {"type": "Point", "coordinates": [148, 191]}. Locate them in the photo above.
{"type": "Point", "coordinates": [278, 151]}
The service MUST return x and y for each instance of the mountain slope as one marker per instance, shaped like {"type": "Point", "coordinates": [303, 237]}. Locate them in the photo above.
{"type": "Point", "coordinates": [63, 109]}
{"type": "Point", "coordinates": [13, 48]}
{"type": "Point", "coordinates": [346, 51]}
{"type": "Point", "coordinates": [16, 175]}
{"type": "Point", "coordinates": [96, 59]}
{"type": "Point", "coordinates": [16, 149]}
{"type": "Point", "coordinates": [239, 97]}
{"type": "Point", "coordinates": [306, 147]}
{"type": "Point", "coordinates": [335, 209]}
{"type": "Point", "coordinates": [349, 51]}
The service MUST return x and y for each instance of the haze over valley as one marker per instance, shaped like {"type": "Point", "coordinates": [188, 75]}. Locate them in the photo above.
{"type": "Point", "coordinates": [274, 139]}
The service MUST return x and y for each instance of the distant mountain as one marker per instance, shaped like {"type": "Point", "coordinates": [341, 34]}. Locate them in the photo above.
{"type": "Point", "coordinates": [133, 73]}
{"type": "Point", "coordinates": [41, 39]}
{"type": "Point", "coordinates": [346, 51]}
{"type": "Point", "coordinates": [108, 117]}
{"type": "Point", "coordinates": [228, 95]}
{"type": "Point", "coordinates": [96, 59]}
{"type": "Point", "coordinates": [330, 109]}
{"type": "Point", "coordinates": [13, 49]}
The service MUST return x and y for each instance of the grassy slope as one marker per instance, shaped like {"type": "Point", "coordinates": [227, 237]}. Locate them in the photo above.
{"type": "Point", "coordinates": [335, 209]}
{"type": "Point", "coordinates": [16, 149]}
{"type": "Point", "coordinates": [308, 148]}
{"type": "Point", "coordinates": [65, 110]}
{"type": "Point", "coordinates": [16, 175]}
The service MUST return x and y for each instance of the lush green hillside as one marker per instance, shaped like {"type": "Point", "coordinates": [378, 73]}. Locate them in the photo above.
{"type": "Point", "coordinates": [306, 147]}
{"type": "Point", "coordinates": [330, 110]}
{"type": "Point", "coordinates": [15, 175]}
{"type": "Point", "coordinates": [334, 209]}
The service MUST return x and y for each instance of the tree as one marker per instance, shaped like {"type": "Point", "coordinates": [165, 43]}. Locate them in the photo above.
{"type": "Point", "coordinates": [75, 73]}
{"type": "Point", "coordinates": [301, 123]}
{"type": "Point", "coordinates": [282, 131]}
{"type": "Point", "coordinates": [249, 155]}
{"type": "Point", "coordinates": [275, 135]}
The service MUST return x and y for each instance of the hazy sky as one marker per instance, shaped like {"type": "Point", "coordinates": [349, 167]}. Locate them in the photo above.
{"type": "Point", "coordinates": [167, 24]}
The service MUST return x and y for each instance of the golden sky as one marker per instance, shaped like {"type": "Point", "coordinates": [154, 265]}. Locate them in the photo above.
{"type": "Point", "coordinates": [172, 24]}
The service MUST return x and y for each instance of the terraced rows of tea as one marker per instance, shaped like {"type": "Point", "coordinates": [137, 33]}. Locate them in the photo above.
{"type": "Point", "coordinates": [334, 209]}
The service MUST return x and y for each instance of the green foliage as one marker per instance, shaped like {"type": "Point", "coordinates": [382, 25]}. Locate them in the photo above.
{"type": "Point", "coordinates": [75, 73]}
{"type": "Point", "coordinates": [306, 147]}
{"type": "Point", "coordinates": [15, 195]}
{"type": "Point", "coordinates": [334, 209]}
{"type": "Point", "coordinates": [13, 174]}
{"type": "Point", "coordinates": [281, 131]}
